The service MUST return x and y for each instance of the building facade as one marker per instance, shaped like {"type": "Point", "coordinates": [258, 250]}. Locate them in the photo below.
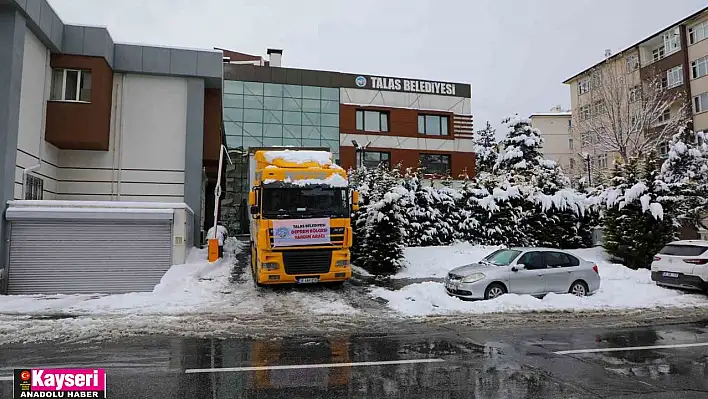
{"type": "Point", "coordinates": [674, 59]}
{"type": "Point", "coordinates": [83, 118]}
{"type": "Point", "coordinates": [362, 119]}
{"type": "Point", "coordinates": [558, 143]}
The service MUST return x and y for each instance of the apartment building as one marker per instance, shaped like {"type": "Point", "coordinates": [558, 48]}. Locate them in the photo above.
{"type": "Point", "coordinates": [362, 119]}
{"type": "Point", "coordinates": [124, 132]}
{"type": "Point", "coordinates": [674, 59]}
{"type": "Point", "coordinates": [558, 143]}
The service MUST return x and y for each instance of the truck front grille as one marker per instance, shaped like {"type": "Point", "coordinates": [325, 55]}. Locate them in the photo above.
{"type": "Point", "coordinates": [307, 262]}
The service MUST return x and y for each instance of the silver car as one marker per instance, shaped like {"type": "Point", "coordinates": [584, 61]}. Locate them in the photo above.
{"type": "Point", "coordinates": [533, 271]}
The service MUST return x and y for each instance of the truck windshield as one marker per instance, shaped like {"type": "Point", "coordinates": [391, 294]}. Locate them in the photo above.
{"type": "Point", "coordinates": [303, 202]}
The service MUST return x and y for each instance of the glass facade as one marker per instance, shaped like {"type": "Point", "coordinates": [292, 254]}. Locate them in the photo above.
{"type": "Point", "coordinates": [266, 114]}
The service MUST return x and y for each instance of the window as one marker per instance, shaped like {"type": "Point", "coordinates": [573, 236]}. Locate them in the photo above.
{"type": "Point", "coordinates": [598, 107]}
{"type": "Point", "coordinates": [34, 188]}
{"type": "Point", "coordinates": [664, 117]}
{"type": "Point", "coordinates": [698, 32]}
{"type": "Point", "coordinates": [683, 250]}
{"type": "Point", "coordinates": [371, 121]}
{"type": "Point", "coordinates": [699, 67]}
{"type": "Point", "coordinates": [570, 143]}
{"type": "Point", "coordinates": [584, 86]}
{"type": "Point", "coordinates": [674, 76]}
{"type": "Point", "coordinates": [664, 149]}
{"type": "Point", "coordinates": [502, 257]}
{"type": "Point", "coordinates": [437, 164]}
{"type": "Point", "coordinates": [672, 41]}
{"type": "Point", "coordinates": [71, 85]}
{"type": "Point", "coordinates": [559, 259]}
{"type": "Point", "coordinates": [658, 53]}
{"type": "Point", "coordinates": [700, 103]}
{"type": "Point", "coordinates": [632, 63]}
{"type": "Point", "coordinates": [572, 164]}
{"type": "Point", "coordinates": [533, 261]}
{"type": "Point", "coordinates": [635, 93]}
{"type": "Point", "coordinates": [433, 125]}
{"type": "Point", "coordinates": [602, 161]}
{"type": "Point", "coordinates": [372, 159]}
{"type": "Point", "coordinates": [585, 112]}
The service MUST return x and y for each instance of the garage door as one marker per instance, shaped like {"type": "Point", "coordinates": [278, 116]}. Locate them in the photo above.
{"type": "Point", "coordinates": [88, 256]}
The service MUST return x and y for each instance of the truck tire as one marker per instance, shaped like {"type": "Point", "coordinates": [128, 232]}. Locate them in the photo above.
{"type": "Point", "coordinates": [254, 275]}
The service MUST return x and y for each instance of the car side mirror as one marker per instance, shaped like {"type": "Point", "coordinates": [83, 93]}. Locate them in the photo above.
{"type": "Point", "coordinates": [518, 267]}
{"type": "Point", "coordinates": [254, 210]}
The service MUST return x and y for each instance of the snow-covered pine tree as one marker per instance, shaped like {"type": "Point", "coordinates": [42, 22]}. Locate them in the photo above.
{"type": "Point", "coordinates": [486, 149]}
{"type": "Point", "coordinates": [521, 148]}
{"type": "Point", "coordinates": [658, 209]}
{"type": "Point", "coordinates": [382, 252]}
{"type": "Point", "coordinates": [619, 216]}
{"type": "Point", "coordinates": [686, 173]}
{"type": "Point", "coordinates": [638, 220]}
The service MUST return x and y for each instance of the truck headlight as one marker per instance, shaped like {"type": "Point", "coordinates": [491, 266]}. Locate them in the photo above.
{"type": "Point", "coordinates": [342, 263]}
{"type": "Point", "coordinates": [270, 266]}
{"type": "Point", "coordinates": [473, 278]}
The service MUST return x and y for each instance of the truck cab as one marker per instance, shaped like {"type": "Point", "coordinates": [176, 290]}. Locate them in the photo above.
{"type": "Point", "coordinates": [300, 217]}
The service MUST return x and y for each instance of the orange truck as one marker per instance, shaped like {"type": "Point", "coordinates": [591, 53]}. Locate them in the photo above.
{"type": "Point", "coordinates": [300, 217]}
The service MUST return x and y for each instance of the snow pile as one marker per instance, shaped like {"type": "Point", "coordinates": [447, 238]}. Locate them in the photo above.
{"type": "Point", "coordinates": [197, 287]}
{"type": "Point", "coordinates": [621, 288]}
{"type": "Point", "coordinates": [422, 262]}
{"type": "Point", "coordinates": [322, 158]}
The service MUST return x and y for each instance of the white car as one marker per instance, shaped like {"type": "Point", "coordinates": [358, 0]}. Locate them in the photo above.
{"type": "Point", "coordinates": [682, 264]}
{"type": "Point", "coordinates": [533, 271]}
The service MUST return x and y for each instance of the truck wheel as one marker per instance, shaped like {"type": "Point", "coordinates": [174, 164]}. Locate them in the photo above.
{"type": "Point", "coordinates": [336, 285]}
{"type": "Point", "coordinates": [254, 275]}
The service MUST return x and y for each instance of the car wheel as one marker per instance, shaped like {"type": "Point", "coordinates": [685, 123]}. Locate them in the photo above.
{"type": "Point", "coordinates": [494, 290]}
{"type": "Point", "coordinates": [579, 288]}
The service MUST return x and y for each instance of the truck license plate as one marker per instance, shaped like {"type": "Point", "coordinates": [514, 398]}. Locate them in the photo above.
{"type": "Point", "coordinates": [668, 274]}
{"type": "Point", "coordinates": [308, 280]}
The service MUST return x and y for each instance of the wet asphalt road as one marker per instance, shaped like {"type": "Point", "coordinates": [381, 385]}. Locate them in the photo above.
{"type": "Point", "coordinates": [464, 364]}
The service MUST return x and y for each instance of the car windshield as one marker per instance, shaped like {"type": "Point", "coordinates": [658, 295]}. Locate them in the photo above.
{"type": "Point", "coordinates": [304, 202]}
{"type": "Point", "coordinates": [502, 257]}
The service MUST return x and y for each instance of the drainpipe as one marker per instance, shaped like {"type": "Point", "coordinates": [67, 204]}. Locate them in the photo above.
{"type": "Point", "coordinates": [120, 147]}
{"type": "Point", "coordinates": [43, 126]}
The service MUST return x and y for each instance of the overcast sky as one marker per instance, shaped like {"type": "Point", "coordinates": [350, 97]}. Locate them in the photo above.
{"type": "Point", "coordinates": [514, 53]}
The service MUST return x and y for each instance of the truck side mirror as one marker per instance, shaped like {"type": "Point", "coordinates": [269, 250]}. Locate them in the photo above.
{"type": "Point", "coordinates": [254, 209]}
{"type": "Point", "coordinates": [251, 198]}
{"type": "Point", "coordinates": [355, 200]}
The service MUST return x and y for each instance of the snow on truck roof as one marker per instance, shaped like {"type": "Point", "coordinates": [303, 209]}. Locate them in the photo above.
{"type": "Point", "coordinates": [323, 158]}
{"type": "Point", "coordinates": [334, 180]}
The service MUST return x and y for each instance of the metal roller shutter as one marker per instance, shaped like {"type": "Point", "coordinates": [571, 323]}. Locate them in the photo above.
{"type": "Point", "coordinates": [68, 256]}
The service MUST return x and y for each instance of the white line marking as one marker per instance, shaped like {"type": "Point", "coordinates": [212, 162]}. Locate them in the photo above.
{"type": "Point", "coordinates": [6, 378]}
{"type": "Point", "coordinates": [313, 366]}
{"type": "Point", "coordinates": [630, 348]}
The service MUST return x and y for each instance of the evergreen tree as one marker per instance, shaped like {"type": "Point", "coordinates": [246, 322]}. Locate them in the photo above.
{"type": "Point", "coordinates": [381, 251]}
{"type": "Point", "coordinates": [638, 220]}
{"type": "Point", "coordinates": [486, 148]}
{"type": "Point", "coordinates": [521, 148]}
{"type": "Point", "coordinates": [686, 173]}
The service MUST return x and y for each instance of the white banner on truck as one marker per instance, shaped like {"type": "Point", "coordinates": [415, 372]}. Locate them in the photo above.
{"type": "Point", "coordinates": [291, 232]}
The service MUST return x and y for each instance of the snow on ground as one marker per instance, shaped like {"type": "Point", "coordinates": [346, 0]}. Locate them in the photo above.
{"type": "Point", "coordinates": [621, 288]}
{"type": "Point", "coordinates": [423, 262]}
{"type": "Point", "coordinates": [195, 287]}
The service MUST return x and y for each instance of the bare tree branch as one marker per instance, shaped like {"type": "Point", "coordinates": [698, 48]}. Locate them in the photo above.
{"type": "Point", "coordinates": [625, 115]}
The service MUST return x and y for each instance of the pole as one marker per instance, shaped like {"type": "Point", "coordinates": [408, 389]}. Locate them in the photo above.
{"type": "Point", "coordinates": [587, 159]}
{"type": "Point", "coordinates": [213, 243]}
